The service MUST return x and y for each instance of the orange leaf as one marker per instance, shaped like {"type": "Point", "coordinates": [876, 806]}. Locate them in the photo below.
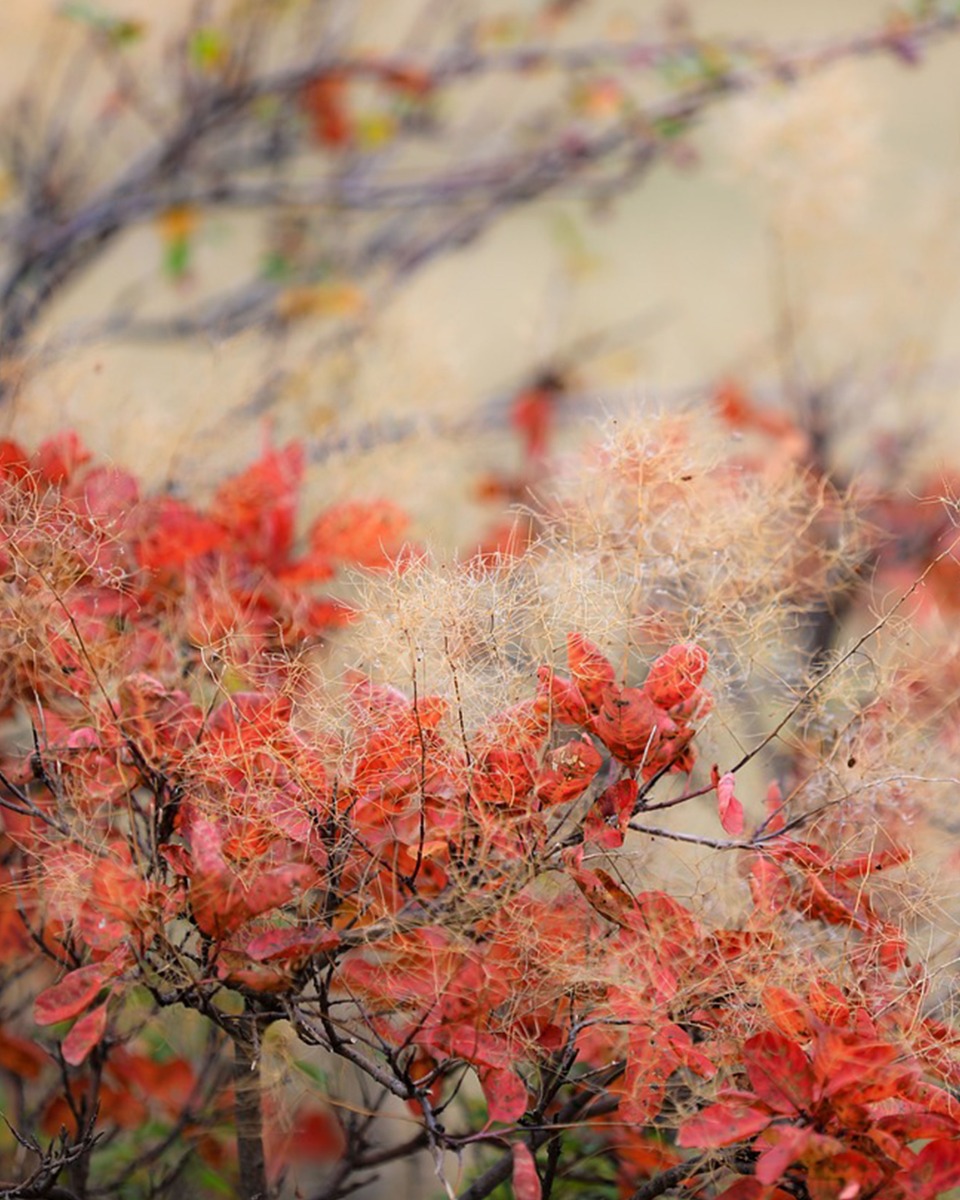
{"type": "Point", "coordinates": [20, 1057]}
{"type": "Point", "coordinates": [788, 1012]}
{"type": "Point", "coordinates": [559, 700]}
{"type": "Point", "coordinates": [58, 458]}
{"type": "Point", "coordinates": [605, 895]}
{"type": "Point", "coordinates": [368, 533]}
{"type": "Point", "coordinates": [259, 505]}
{"type": "Point", "coordinates": [177, 535]}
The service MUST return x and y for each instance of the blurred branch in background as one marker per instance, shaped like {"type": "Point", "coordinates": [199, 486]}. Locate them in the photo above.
{"type": "Point", "coordinates": [361, 166]}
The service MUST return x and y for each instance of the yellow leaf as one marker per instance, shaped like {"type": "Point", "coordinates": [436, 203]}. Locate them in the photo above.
{"type": "Point", "coordinates": [322, 299]}
{"type": "Point", "coordinates": [177, 224]}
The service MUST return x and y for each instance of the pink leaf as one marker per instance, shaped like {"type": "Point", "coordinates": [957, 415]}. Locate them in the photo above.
{"type": "Point", "coordinates": [206, 846]}
{"type": "Point", "coordinates": [526, 1181]}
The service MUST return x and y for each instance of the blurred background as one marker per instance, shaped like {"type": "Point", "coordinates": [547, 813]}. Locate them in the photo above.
{"type": "Point", "coordinates": [800, 236]}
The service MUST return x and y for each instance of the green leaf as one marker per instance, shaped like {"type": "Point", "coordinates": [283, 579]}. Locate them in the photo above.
{"type": "Point", "coordinates": [312, 1072]}
{"type": "Point", "coordinates": [176, 258]}
{"type": "Point", "coordinates": [208, 49]}
{"type": "Point", "coordinates": [210, 1179]}
{"type": "Point", "coordinates": [669, 128]}
{"type": "Point", "coordinates": [120, 31]}
{"type": "Point", "coordinates": [276, 266]}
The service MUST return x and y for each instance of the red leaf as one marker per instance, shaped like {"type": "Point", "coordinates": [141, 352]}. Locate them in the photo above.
{"type": "Point", "coordinates": [629, 724]}
{"type": "Point", "coordinates": [591, 671]}
{"type": "Point", "coordinates": [274, 888]}
{"type": "Point", "coordinates": [779, 1072]}
{"type": "Point", "coordinates": [368, 533]}
{"type": "Point", "coordinates": [533, 414]}
{"type": "Point", "coordinates": [177, 535]}
{"type": "Point", "coordinates": [168, 1083]}
{"type": "Point", "coordinates": [785, 1144]}
{"type": "Point", "coordinates": [606, 822]}
{"type": "Point", "coordinates": [559, 700]}
{"type": "Point", "coordinates": [787, 1011]}
{"type": "Point", "coordinates": [291, 945]}
{"type": "Point", "coordinates": [844, 1176]}
{"type": "Point", "coordinates": [324, 101]}
{"type": "Point", "coordinates": [568, 771]}
{"type": "Point", "coordinates": [476, 1046]}
{"type": "Point", "coordinates": [71, 995]}
{"type": "Point", "coordinates": [729, 807]}
{"type": "Point", "coordinates": [111, 493]}
{"type": "Point", "coordinates": [259, 506]}
{"type": "Point", "coordinates": [604, 894]}
{"type": "Point", "coordinates": [932, 1098]}
{"type": "Point", "coordinates": [177, 858]}
{"type": "Point", "coordinates": [206, 847]}
{"type": "Point", "coordinates": [721, 1125]}
{"type": "Point", "coordinates": [651, 1060]}
{"type": "Point", "coordinates": [747, 1188]}
{"type": "Point", "coordinates": [13, 460]}
{"type": "Point", "coordinates": [880, 860]}
{"type": "Point", "coordinates": [317, 1137]}
{"type": "Point", "coordinates": [675, 676]}
{"type": "Point", "coordinates": [59, 457]}
{"type": "Point", "coordinates": [917, 1126]}
{"type": "Point", "coordinates": [505, 1093]}
{"type": "Point", "coordinates": [865, 1071]}
{"type": "Point", "coordinates": [735, 406]}
{"type": "Point", "coordinates": [85, 1035]}
{"type": "Point", "coordinates": [313, 1136]}
{"type": "Point", "coordinates": [934, 1171]}
{"type": "Point", "coordinates": [776, 818]}
{"type": "Point", "coordinates": [502, 776]}
{"type": "Point", "coordinates": [769, 886]}
{"type": "Point", "coordinates": [526, 1181]}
